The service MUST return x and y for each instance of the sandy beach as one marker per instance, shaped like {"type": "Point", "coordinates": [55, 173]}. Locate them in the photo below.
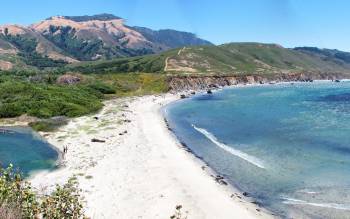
{"type": "Point", "coordinates": [140, 171]}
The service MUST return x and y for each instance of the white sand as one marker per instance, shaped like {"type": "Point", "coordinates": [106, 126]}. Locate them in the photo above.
{"type": "Point", "coordinates": [142, 174]}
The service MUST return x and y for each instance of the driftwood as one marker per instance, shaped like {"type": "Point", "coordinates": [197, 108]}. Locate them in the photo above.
{"type": "Point", "coordinates": [97, 140]}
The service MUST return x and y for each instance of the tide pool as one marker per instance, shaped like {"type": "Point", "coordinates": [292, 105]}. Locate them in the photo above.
{"type": "Point", "coordinates": [26, 150]}
{"type": "Point", "coordinates": [287, 145]}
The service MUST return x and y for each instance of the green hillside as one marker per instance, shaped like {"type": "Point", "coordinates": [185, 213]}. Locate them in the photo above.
{"type": "Point", "coordinates": [233, 58]}
{"type": "Point", "coordinates": [148, 63]}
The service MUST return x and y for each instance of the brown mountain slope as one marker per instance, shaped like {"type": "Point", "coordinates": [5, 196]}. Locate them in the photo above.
{"type": "Point", "coordinates": [84, 38]}
{"type": "Point", "coordinates": [111, 32]}
{"type": "Point", "coordinates": [43, 46]}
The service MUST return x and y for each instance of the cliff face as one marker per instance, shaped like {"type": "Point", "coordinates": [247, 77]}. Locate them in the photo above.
{"type": "Point", "coordinates": [186, 83]}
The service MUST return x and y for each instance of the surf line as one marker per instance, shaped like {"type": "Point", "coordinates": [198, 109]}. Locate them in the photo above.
{"type": "Point", "coordinates": [253, 160]}
{"type": "Point", "coordinates": [292, 201]}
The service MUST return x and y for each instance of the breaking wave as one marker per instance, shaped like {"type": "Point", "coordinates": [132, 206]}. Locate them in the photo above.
{"type": "Point", "coordinates": [253, 160]}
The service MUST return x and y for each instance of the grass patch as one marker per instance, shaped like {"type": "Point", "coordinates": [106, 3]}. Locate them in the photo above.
{"type": "Point", "coordinates": [135, 84]}
{"type": "Point", "coordinates": [48, 125]}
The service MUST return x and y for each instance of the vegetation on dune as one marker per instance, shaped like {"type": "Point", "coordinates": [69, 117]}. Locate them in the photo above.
{"type": "Point", "coordinates": [18, 200]}
{"type": "Point", "coordinates": [135, 83]}
{"type": "Point", "coordinates": [49, 125]}
{"type": "Point", "coordinates": [40, 96]}
{"type": "Point", "coordinates": [46, 100]}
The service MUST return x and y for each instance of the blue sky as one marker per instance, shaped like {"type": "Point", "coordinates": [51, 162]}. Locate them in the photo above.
{"type": "Point", "coordinates": [321, 23]}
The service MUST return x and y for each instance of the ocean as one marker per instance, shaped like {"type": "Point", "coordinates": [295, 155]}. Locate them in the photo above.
{"type": "Point", "coordinates": [286, 145]}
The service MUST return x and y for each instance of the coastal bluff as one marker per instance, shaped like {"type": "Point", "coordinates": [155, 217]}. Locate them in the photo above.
{"type": "Point", "coordinates": [178, 83]}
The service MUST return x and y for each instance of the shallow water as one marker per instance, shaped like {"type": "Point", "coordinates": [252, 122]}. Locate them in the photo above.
{"type": "Point", "coordinates": [26, 150]}
{"type": "Point", "coordinates": [287, 145]}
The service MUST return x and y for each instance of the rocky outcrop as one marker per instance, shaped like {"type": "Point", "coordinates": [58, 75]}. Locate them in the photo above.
{"type": "Point", "coordinates": [186, 83]}
{"type": "Point", "coordinates": [68, 79]}
{"type": "Point", "coordinates": [4, 65]}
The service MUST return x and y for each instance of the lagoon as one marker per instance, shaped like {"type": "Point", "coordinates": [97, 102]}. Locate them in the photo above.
{"type": "Point", "coordinates": [26, 150]}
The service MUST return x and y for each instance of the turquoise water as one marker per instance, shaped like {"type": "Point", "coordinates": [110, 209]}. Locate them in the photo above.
{"type": "Point", "coordinates": [287, 145]}
{"type": "Point", "coordinates": [26, 151]}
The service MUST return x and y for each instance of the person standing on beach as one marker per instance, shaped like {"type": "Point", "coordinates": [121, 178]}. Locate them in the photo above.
{"type": "Point", "coordinates": [65, 150]}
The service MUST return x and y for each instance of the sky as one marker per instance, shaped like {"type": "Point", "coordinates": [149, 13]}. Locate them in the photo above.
{"type": "Point", "coordinates": [290, 23]}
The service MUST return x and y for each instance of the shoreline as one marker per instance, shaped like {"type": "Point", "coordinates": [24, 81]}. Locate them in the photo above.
{"type": "Point", "coordinates": [145, 168]}
{"type": "Point", "coordinates": [62, 173]}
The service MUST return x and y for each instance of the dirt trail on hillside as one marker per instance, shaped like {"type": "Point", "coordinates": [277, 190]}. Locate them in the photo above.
{"type": "Point", "coordinates": [167, 58]}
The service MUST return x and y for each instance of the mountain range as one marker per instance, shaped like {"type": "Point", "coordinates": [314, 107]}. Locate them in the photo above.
{"type": "Point", "coordinates": [59, 40]}
{"type": "Point", "coordinates": [104, 43]}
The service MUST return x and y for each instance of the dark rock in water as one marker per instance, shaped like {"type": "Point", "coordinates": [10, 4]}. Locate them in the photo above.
{"type": "Point", "coordinates": [337, 81]}
{"type": "Point", "coordinates": [97, 140]}
{"type": "Point", "coordinates": [183, 96]}
{"type": "Point", "coordinates": [261, 82]}
{"type": "Point", "coordinates": [245, 194]}
{"type": "Point", "coordinates": [213, 86]}
{"type": "Point", "coordinates": [193, 93]}
{"type": "Point", "coordinates": [209, 92]}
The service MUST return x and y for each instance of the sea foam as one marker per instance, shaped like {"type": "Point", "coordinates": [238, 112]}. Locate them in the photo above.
{"type": "Point", "coordinates": [292, 201]}
{"type": "Point", "coordinates": [253, 160]}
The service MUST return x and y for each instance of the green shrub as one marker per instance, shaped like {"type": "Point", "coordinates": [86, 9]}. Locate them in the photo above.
{"type": "Point", "coordinates": [64, 202]}
{"type": "Point", "coordinates": [16, 194]}
{"type": "Point", "coordinates": [103, 88]}
{"type": "Point", "coordinates": [45, 100]}
{"type": "Point", "coordinates": [17, 199]}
